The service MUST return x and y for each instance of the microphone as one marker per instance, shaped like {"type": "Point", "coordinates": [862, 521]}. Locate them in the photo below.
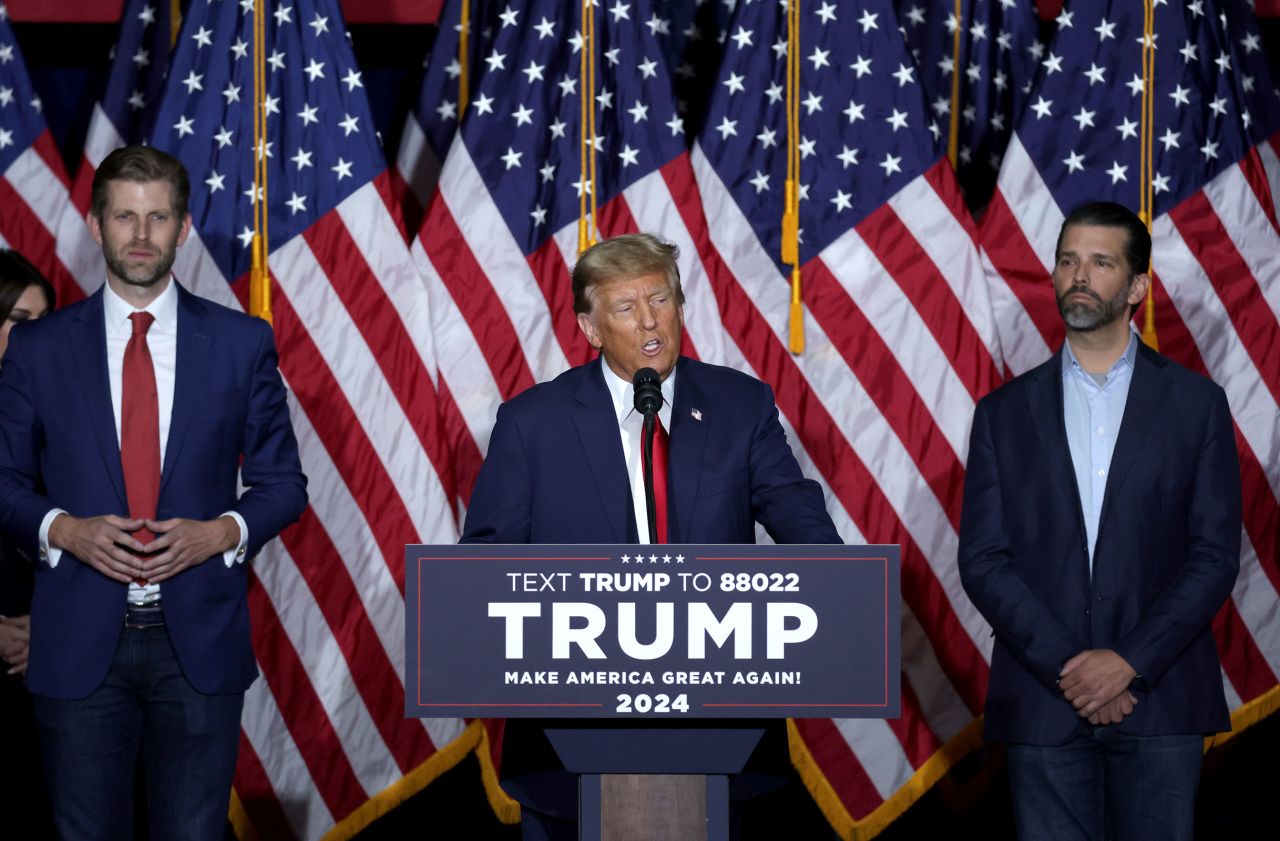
{"type": "Point", "coordinates": [648, 388]}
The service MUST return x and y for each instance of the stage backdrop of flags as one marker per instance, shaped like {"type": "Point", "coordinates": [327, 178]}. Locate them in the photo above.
{"type": "Point", "coordinates": [409, 303]}
{"type": "Point", "coordinates": [34, 186]}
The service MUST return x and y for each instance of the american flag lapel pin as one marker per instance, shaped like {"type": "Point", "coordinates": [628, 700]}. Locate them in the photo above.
{"type": "Point", "coordinates": [697, 414]}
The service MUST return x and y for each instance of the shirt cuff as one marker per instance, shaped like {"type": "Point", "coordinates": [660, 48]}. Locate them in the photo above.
{"type": "Point", "coordinates": [236, 555]}
{"type": "Point", "coordinates": [49, 554]}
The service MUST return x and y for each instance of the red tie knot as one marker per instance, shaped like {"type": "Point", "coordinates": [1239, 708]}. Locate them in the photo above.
{"type": "Point", "coordinates": [142, 322]}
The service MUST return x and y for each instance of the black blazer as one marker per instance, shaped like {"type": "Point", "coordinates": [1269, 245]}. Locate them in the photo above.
{"type": "Point", "coordinates": [1165, 560]}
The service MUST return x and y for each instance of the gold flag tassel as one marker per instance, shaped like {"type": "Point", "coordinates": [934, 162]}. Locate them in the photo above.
{"type": "Point", "coordinates": [259, 271]}
{"type": "Point", "coordinates": [953, 130]}
{"type": "Point", "coordinates": [1146, 160]}
{"type": "Point", "coordinates": [588, 232]}
{"type": "Point", "coordinates": [464, 59]}
{"type": "Point", "coordinates": [791, 196]}
{"type": "Point", "coordinates": [175, 22]}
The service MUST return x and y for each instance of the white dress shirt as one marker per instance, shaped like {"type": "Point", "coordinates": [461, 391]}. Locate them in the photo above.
{"type": "Point", "coordinates": [1093, 407]}
{"type": "Point", "coordinates": [162, 342]}
{"type": "Point", "coordinates": [630, 425]}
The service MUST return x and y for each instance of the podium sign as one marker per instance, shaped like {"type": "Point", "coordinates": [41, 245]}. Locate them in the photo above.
{"type": "Point", "coordinates": [652, 632]}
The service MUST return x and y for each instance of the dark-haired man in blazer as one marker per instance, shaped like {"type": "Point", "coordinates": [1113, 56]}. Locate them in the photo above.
{"type": "Point", "coordinates": [1100, 534]}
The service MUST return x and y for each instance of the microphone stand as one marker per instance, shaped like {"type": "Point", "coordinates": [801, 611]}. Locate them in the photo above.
{"type": "Point", "coordinates": [646, 458]}
{"type": "Point", "coordinates": [648, 400]}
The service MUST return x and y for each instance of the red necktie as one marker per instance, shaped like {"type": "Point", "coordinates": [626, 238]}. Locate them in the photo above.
{"type": "Point", "coordinates": [140, 427]}
{"type": "Point", "coordinates": [660, 478]}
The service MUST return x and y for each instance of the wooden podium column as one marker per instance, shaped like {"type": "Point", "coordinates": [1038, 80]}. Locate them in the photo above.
{"type": "Point", "coordinates": [654, 784]}
{"type": "Point", "coordinates": [653, 807]}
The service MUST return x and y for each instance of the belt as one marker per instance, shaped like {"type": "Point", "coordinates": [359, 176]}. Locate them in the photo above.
{"type": "Point", "coordinates": [138, 617]}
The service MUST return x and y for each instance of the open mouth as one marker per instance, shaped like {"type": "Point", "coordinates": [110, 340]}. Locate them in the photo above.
{"type": "Point", "coordinates": [651, 347]}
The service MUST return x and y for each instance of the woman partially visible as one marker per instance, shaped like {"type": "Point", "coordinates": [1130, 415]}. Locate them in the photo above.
{"type": "Point", "coordinates": [24, 294]}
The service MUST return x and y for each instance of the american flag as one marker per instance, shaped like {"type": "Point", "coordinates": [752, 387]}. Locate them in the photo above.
{"type": "Point", "coordinates": [324, 740]}
{"type": "Point", "coordinates": [34, 217]}
{"type": "Point", "coordinates": [502, 229]}
{"type": "Point", "coordinates": [900, 343]}
{"type": "Point", "coordinates": [698, 33]}
{"type": "Point", "coordinates": [1216, 252]}
{"type": "Point", "coordinates": [430, 127]}
{"type": "Point", "coordinates": [135, 82]}
{"type": "Point", "coordinates": [992, 74]}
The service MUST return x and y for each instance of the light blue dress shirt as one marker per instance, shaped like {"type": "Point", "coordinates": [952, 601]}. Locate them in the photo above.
{"type": "Point", "coordinates": [1093, 406]}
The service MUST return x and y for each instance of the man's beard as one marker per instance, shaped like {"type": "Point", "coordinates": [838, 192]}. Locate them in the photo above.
{"type": "Point", "coordinates": [1082, 317]}
{"type": "Point", "coordinates": [140, 275]}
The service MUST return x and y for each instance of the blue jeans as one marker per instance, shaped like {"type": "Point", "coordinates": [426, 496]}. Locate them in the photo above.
{"type": "Point", "coordinates": [1104, 784]}
{"type": "Point", "coordinates": [145, 707]}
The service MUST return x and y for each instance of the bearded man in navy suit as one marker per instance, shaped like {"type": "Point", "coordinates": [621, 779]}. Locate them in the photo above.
{"type": "Point", "coordinates": [126, 422]}
{"type": "Point", "coordinates": [1099, 536]}
{"type": "Point", "coordinates": [564, 463]}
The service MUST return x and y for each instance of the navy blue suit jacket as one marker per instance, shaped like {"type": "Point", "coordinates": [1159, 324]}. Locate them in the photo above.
{"type": "Point", "coordinates": [555, 471]}
{"type": "Point", "coordinates": [57, 432]}
{"type": "Point", "coordinates": [1165, 559]}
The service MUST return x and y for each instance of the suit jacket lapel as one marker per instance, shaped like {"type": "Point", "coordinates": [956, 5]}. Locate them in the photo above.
{"type": "Point", "coordinates": [1045, 414]}
{"type": "Point", "coordinates": [688, 442]}
{"type": "Point", "coordinates": [194, 339]}
{"type": "Point", "coordinates": [87, 338]}
{"type": "Point", "coordinates": [1146, 390]}
{"type": "Point", "coordinates": [597, 427]}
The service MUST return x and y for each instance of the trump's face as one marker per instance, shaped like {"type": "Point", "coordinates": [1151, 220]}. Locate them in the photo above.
{"type": "Point", "coordinates": [636, 323]}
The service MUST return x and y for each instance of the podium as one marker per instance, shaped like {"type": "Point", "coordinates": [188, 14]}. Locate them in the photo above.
{"type": "Point", "coordinates": [683, 649]}
{"type": "Point", "coordinates": [661, 784]}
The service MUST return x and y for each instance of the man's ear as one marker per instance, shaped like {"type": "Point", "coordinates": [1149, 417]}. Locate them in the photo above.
{"type": "Point", "coordinates": [588, 328]}
{"type": "Point", "coordinates": [186, 229]}
{"type": "Point", "coordinates": [95, 226]}
{"type": "Point", "coordinates": [1138, 289]}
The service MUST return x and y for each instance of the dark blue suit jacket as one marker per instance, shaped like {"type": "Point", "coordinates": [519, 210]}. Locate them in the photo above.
{"type": "Point", "coordinates": [1165, 559]}
{"type": "Point", "coordinates": [555, 471]}
{"type": "Point", "coordinates": [57, 431]}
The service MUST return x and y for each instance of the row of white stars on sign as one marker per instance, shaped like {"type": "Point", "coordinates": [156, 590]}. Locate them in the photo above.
{"type": "Point", "coordinates": [653, 559]}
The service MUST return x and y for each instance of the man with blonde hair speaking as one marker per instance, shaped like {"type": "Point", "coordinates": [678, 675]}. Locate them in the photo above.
{"type": "Point", "coordinates": [564, 462]}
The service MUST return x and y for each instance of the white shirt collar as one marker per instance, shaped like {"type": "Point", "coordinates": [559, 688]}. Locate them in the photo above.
{"type": "Point", "coordinates": [1127, 359]}
{"type": "Point", "coordinates": [623, 392]}
{"type": "Point", "coordinates": [164, 308]}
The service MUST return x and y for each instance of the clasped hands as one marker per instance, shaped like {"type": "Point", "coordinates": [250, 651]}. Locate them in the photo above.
{"type": "Point", "coordinates": [107, 544]}
{"type": "Point", "coordinates": [1096, 682]}
{"type": "Point", "coordinates": [15, 636]}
